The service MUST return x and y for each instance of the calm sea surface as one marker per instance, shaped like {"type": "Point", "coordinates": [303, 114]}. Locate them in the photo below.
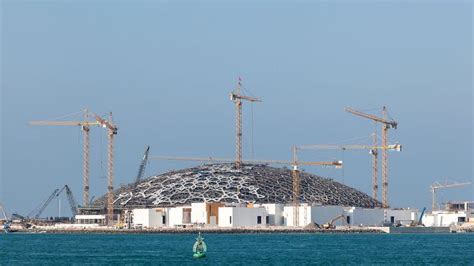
{"type": "Point", "coordinates": [238, 249]}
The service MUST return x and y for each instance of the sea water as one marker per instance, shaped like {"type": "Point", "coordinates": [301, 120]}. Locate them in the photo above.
{"type": "Point", "coordinates": [238, 249]}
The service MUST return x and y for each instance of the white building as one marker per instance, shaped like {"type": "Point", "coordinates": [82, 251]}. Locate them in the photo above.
{"type": "Point", "coordinates": [401, 216]}
{"type": "Point", "coordinates": [365, 217]}
{"type": "Point", "coordinates": [90, 219]}
{"type": "Point", "coordinates": [149, 218]}
{"type": "Point", "coordinates": [353, 216]}
{"type": "Point", "coordinates": [179, 216]}
{"type": "Point", "coordinates": [313, 214]}
{"type": "Point", "coordinates": [205, 213]}
{"type": "Point", "coordinates": [445, 218]}
{"type": "Point", "coordinates": [274, 213]}
{"type": "Point", "coordinates": [242, 217]}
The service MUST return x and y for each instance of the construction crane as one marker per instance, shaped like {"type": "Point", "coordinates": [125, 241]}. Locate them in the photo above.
{"type": "Point", "coordinates": [237, 98]}
{"type": "Point", "coordinates": [437, 185]}
{"type": "Point", "coordinates": [141, 169]}
{"type": "Point", "coordinates": [85, 126]}
{"type": "Point", "coordinates": [5, 217]}
{"type": "Point", "coordinates": [112, 131]}
{"type": "Point", "coordinates": [72, 202]}
{"type": "Point", "coordinates": [37, 213]}
{"type": "Point", "coordinates": [296, 181]}
{"type": "Point", "coordinates": [373, 150]}
{"type": "Point", "coordinates": [223, 160]}
{"type": "Point", "coordinates": [386, 124]}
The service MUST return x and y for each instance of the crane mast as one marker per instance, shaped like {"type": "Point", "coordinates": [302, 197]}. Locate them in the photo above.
{"type": "Point", "coordinates": [295, 188]}
{"type": "Point", "coordinates": [86, 160]}
{"type": "Point", "coordinates": [237, 98]}
{"type": "Point", "coordinates": [112, 131]}
{"type": "Point", "coordinates": [386, 125]}
{"type": "Point", "coordinates": [375, 169]}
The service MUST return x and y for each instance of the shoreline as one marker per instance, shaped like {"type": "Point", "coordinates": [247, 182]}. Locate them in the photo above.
{"type": "Point", "coordinates": [202, 230]}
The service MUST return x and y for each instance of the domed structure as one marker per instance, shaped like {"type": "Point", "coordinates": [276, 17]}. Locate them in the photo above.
{"type": "Point", "coordinates": [223, 183]}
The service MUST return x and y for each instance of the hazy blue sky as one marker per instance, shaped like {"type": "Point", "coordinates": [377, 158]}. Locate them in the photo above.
{"type": "Point", "coordinates": [165, 70]}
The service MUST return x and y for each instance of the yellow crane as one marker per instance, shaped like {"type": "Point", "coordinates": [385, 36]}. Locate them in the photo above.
{"type": "Point", "coordinates": [237, 98]}
{"type": "Point", "coordinates": [373, 150]}
{"type": "Point", "coordinates": [296, 180]}
{"type": "Point", "coordinates": [85, 126]}
{"type": "Point", "coordinates": [438, 185]}
{"type": "Point", "coordinates": [386, 124]}
{"type": "Point", "coordinates": [225, 160]}
{"type": "Point", "coordinates": [112, 131]}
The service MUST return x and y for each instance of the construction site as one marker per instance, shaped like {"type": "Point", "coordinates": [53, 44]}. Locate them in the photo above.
{"type": "Point", "coordinates": [236, 194]}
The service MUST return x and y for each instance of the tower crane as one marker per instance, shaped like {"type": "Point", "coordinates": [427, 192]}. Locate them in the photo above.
{"type": "Point", "coordinates": [224, 160]}
{"type": "Point", "coordinates": [373, 150]}
{"type": "Point", "coordinates": [386, 124]}
{"type": "Point", "coordinates": [237, 98]}
{"type": "Point", "coordinates": [112, 131]}
{"type": "Point", "coordinates": [141, 169]}
{"type": "Point", "coordinates": [296, 181]}
{"type": "Point", "coordinates": [438, 185]}
{"type": "Point", "coordinates": [85, 126]}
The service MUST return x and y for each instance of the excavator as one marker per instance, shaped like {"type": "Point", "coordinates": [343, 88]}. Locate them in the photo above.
{"type": "Point", "coordinates": [330, 224]}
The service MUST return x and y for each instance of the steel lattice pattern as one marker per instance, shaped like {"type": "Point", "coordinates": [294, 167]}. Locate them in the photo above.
{"type": "Point", "coordinates": [223, 183]}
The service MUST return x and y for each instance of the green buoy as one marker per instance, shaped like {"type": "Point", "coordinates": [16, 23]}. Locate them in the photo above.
{"type": "Point", "coordinates": [200, 247]}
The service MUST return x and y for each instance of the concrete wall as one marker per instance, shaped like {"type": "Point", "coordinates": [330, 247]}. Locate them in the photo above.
{"type": "Point", "coordinates": [241, 216]}
{"type": "Point", "coordinates": [443, 218]}
{"type": "Point", "coordinates": [402, 216]}
{"type": "Point", "coordinates": [304, 215]}
{"type": "Point", "coordinates": [148, 218]}
{"type": "Point", "coordinates": [274, 213]}
{"type": "Point", "coordinates": [324, 214]}
{"type": "Point", "coordinates": [366, 217]}
{"type": "Point", "coordinates": [313, 213]}
{"type": "Point", "coordinates": [176, 216]}
{"type": "Point", "coordinates": [199, 213]}
{"type": "Point", "coordinates": [226, 217]}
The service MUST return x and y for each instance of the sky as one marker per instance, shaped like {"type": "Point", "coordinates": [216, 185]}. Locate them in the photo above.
{"type": "Point", "coordinates": [166, 68]}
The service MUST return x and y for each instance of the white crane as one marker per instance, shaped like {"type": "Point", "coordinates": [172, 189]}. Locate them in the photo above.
{"type": "Point", "coordinates": [438, 185]}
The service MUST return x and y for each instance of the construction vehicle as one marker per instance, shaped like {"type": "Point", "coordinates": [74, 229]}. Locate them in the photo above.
{"type": "Point", "coordinates": [330, 223]}
{"type": "Point", "coordinates": [141, 169]}
{"type": "Point", "coordinates": [386, 124]}
{"type": "Point", "coordinates": [72, 202]}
